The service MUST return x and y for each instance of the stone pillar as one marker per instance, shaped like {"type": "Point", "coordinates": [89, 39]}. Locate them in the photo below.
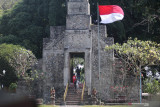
{"type": "Point", "coordinates": [66, 68]}
{"type": "Point", "coordinates": [78, 15]}
{"type": "Point", "coordinates": [88, 70]}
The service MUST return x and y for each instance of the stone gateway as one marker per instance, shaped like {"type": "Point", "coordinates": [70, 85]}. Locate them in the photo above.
{"type": "Point", "coordinates": [78, 37]}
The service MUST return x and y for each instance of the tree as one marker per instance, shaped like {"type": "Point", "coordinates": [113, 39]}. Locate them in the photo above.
{"type": "Point", "coordinates": [18, 58]}
{"type": "Point", "coordinates": [134, 56]}
{"type": "Point", "coordinates": [7, 4]}
{"type": "Point", "coordinates": [57, 12]}
{"type": "Point", "coordinates": [29, 22]}
{"type": "Point", "coordinates": [10, 75]}
{"type": "Point", "coordinates": [9, 39]}
{"type": "Point", "coordinates": [137, 54]}
{"type": "Point", "coordinates": [141, 19]}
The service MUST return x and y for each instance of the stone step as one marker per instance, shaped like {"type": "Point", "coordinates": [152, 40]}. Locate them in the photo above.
{"type": "Point", "coordinates": [74, 94]}
{"type": "Point", "coordinates": [73, 102]}
{"type": "Point", "coordinates": [73, 91]}
{"type": "Point", "coordinates": [69, 89]}
{"type": "Point", "coordinates": [73, 97]}
{"type": "Point", "coordinates": [70, 98]}
{"type": "Point", "coordinates": [72, 86]}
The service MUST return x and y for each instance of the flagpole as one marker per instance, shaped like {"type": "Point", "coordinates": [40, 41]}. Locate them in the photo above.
{"type": "Point", "coordinates": [98, 42]}
{"type": "Point", "coordinates": [99, 67]}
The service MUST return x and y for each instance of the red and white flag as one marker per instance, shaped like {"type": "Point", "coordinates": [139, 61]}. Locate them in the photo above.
{"type": "Point", "coordinates": [110, 13]}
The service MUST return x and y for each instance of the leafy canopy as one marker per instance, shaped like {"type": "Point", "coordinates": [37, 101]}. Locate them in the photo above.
{"type": "Point", "coordinates": [28, 22]}
{"type": "Point", "coordinates": [137, 54]}
{"type": "Point", "coordinates": [17, 57]}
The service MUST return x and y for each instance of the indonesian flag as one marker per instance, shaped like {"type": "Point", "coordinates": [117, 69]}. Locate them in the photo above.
{"type": "Point", "coordinates": [110, 13]}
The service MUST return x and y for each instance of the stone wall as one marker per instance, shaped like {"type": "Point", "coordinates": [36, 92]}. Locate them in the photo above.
{"type": "Point", "coordinates": [30, 88]}
{"type": "Point", "coordinates": [78, 8]}
{"type": "Point", "coordinates": [79, 22]}
{"type": "Point", "coordinates": [55, 41]}
{"type": "Point", "coordinates": [129, 81]}
{"type": "Point", "coordinates": [77, 39]}
{"type": "Point", "coordinates": [22, 88]}
{"type": "Point", "coordinates": [78, 16]}
{"type": "Point", "coordinates": [103, 83]}
{"type": "Point", "coordinates": [79, 36]}
{"type": "Point", "coordinates": [53, 62]}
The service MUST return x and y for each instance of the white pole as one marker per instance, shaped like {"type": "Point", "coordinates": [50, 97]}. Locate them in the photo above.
{"type": "Point", "coordinates": [140, 91]}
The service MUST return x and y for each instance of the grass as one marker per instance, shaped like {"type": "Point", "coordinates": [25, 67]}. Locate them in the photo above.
{"type": "Point", "coordinates": [90, 106]}
{"type": "Point", "coordinates": [107, 106]}
{"type": "Point", "coordinates": [47, 106]}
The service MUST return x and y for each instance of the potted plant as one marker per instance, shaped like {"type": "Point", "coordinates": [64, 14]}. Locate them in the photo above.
{"type": "Point", "coordinates": [12, 87]}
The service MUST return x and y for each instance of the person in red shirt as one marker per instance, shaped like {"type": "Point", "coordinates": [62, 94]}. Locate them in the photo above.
{"type": "Point", "coordinates": [74, 78]}
{"type": "Point", "coordinates": [74, 81]}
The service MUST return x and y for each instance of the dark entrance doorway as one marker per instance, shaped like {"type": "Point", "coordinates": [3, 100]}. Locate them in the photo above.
{"type": "Point", "coordinates": [77, 60]}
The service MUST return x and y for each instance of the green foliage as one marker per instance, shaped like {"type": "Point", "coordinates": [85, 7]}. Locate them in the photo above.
{"type": "Point", "coordinates": [151, 86]}
{"type": "Point", "coordinates": [137, 54]}
{"type": "Point", "coordinates": [76, 61]}
{"type": "Point", "coordinates": [31, 76]}
{"type": "Point", "coordinates": [7, 4]}
{"type": "Point", "coordinates": [141, 19]}
{"type": "Point", "coordinates": [29, 22]}
{"type": "Point", "coordinates": [57, 12]}
{"type": "Point", "coordinates": [1, 12]}
{"type": "Point", "coordinates": [12, 86]}
{"type": "Point", "coordinates": [17, 57]}
{"type": "Point", "coordinates": [9, 39]}
{"type": "Point", "coordinates": [34, 75]}
{"type": "Point", "coordinates": [10, 75]}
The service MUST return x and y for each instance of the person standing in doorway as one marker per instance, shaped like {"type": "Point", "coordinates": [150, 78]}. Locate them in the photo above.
{"type": "Point", "coordinates": [74, 81]}
{"type": "Point", "coordinates": [74, 78]}
{"type": "Point", "coordinates": [78, 73]}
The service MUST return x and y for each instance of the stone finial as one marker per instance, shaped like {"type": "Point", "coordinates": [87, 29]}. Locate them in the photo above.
{"type": "Point", "coordinates": [52, 92]}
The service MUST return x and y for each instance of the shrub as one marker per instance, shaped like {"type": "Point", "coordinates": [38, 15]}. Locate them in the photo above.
{"type": "Point", "coordinates": [151, 86]}
{"type": "Point", "coordinates": [12, 86]}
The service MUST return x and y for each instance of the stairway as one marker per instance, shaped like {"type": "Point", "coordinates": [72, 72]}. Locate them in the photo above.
{"type": "Point", "coordinates": [74, 98]}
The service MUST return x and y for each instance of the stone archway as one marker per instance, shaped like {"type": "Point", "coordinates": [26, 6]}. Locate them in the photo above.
{"type": "Point", "coordinates": [87, 57]}
{"type": "Point", "coordinates": [77, 60]}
